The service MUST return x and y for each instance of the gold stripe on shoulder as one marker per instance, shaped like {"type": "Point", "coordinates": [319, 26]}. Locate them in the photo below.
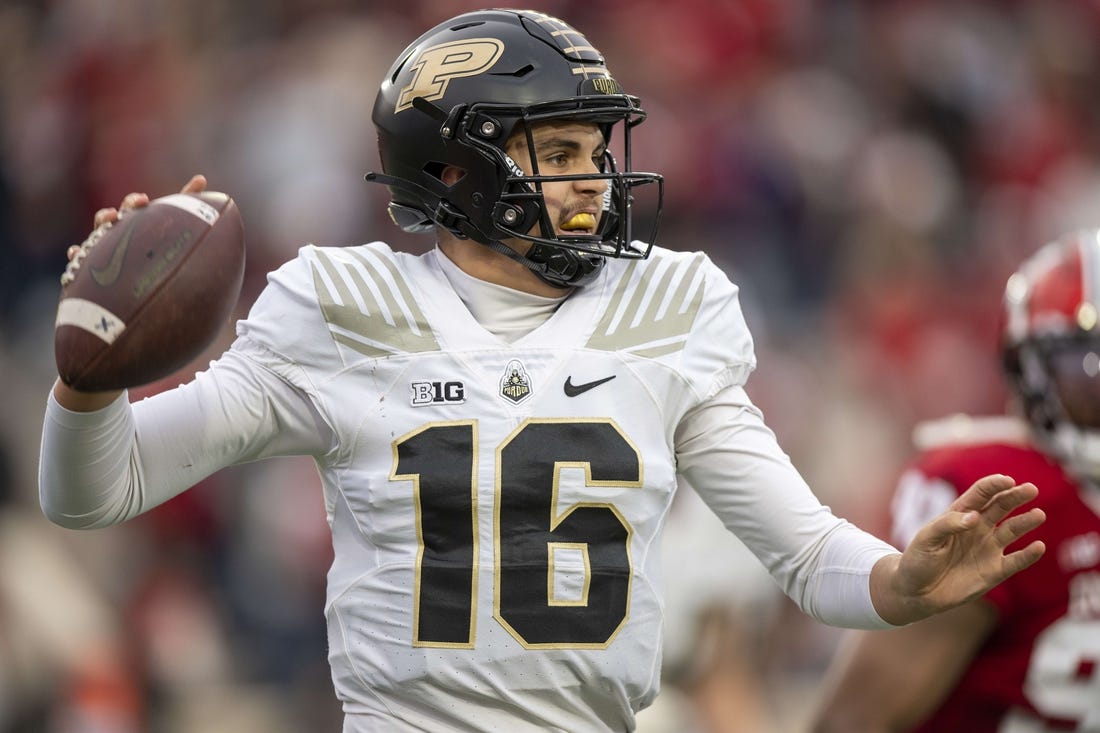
{"type": "Point", "coordinates": [400, 302]}
{"type": "Point", "coordinates": [365, 311]}
{"type": "Point", "coordinates": [652, 309]}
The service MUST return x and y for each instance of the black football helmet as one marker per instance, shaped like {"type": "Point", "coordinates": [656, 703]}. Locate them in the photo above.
{"type": "Point", "coordinates": [455, 96]}
{"type": "Point", "coordinates": [1051, 345]}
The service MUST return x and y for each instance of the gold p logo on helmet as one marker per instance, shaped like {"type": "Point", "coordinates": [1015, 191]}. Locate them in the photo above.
{"type": "Point", "coordinates": [434, 68]}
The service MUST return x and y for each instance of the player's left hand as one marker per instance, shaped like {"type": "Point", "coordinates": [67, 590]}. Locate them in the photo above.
{"type": "Point", "coordinates": [960, 554]}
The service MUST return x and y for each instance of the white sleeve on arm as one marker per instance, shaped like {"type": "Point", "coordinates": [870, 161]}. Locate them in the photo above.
{"type": "Point", "coordinates": [823, 563]}
{"type": "Point", "coordinates": [104, 467]}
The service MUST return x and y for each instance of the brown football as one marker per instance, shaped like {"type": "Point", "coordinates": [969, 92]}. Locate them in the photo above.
{"type": "Point", "coordinates": [151, 293]}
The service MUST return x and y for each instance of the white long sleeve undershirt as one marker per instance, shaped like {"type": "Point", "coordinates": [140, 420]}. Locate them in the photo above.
{"type": "Point", "coordinates": [506, 313]}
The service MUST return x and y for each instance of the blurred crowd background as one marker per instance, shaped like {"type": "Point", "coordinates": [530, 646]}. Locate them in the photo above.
{"type": "Point", "coordinates": [869, 172]}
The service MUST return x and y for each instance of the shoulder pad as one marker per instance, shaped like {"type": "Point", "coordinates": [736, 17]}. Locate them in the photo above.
{"type": "Point", "coordinates": [960, 429]}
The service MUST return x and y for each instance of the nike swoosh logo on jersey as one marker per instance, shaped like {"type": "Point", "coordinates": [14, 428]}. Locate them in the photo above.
{"type": "Point", "coordinates": [107, 275]}
{"type": "Point", "coordinates": [572, 390]}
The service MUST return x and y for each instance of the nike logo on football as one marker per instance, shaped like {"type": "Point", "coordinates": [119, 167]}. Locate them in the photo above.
{"type": "Point", "coordinates": [572, 390]}
{"type": "Point", "coordinates": [107, 275]}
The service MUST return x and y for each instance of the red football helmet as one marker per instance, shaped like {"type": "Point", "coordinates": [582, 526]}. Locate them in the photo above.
{"type": "Point", "coordinates": [1051, 345]}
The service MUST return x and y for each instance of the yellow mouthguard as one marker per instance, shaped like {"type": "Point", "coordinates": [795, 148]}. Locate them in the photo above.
{"type": "Point", "coordinates": [583, 220]}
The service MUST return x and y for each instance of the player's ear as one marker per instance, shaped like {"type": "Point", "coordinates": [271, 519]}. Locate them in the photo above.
{"type": "Point", "coordinates": [451, 174]}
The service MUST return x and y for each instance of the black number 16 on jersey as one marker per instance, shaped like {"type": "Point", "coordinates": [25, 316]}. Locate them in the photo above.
{"type": "Point", "coordinates": [527, 524]}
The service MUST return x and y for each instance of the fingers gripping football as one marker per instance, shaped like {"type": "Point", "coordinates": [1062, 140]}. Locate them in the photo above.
{"type": "Point", "coordinates": [105, 218]}
{"type": "Point", "coordinates": [149, 289]}
{"type": "Point", "coordinates": [77, 253]}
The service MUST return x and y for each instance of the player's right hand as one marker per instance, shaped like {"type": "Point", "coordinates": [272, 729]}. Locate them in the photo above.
{"type": "Point", "coordinates": [103, 220]}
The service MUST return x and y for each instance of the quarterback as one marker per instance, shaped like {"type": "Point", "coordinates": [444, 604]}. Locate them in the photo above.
{"type": "Point", "coordinates": [500, 423]}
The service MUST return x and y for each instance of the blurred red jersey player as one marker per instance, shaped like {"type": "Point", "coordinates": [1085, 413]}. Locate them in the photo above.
{"type": "Point", "coordinates": [1025, 657]}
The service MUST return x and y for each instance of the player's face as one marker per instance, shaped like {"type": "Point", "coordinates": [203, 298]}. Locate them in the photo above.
{"type": "Point", "coordinates": [565, 148]}
{"type": "Point", "coordinates": [1076, 375]}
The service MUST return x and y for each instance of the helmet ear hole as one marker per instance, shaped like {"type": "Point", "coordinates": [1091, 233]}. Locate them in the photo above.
{"type": "Point", "coordinates": [446, 174]}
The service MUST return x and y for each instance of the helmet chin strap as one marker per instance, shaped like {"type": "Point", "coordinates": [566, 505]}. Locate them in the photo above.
{"type": "Point", "coordinates": [555, 266]}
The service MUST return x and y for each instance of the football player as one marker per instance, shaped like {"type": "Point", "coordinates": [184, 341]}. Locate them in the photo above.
{"type": "Point", "coordinates": [1025, 656]}
{"type": "Point", "coordinates": [499, 423]}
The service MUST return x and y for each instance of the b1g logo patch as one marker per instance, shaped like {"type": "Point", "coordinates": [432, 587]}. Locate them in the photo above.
{"type": "Point", "coordinates": [437, 393]}
{"type": "Point", "coordinates": [515, 385]}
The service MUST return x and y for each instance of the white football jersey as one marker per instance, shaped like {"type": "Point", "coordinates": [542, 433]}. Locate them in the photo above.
{"type": "Point", "coordinates": [495, 507]}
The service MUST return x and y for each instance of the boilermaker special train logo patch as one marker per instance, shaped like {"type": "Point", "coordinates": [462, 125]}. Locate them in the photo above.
{"type": "Point", "coordinates": [515, 385]}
